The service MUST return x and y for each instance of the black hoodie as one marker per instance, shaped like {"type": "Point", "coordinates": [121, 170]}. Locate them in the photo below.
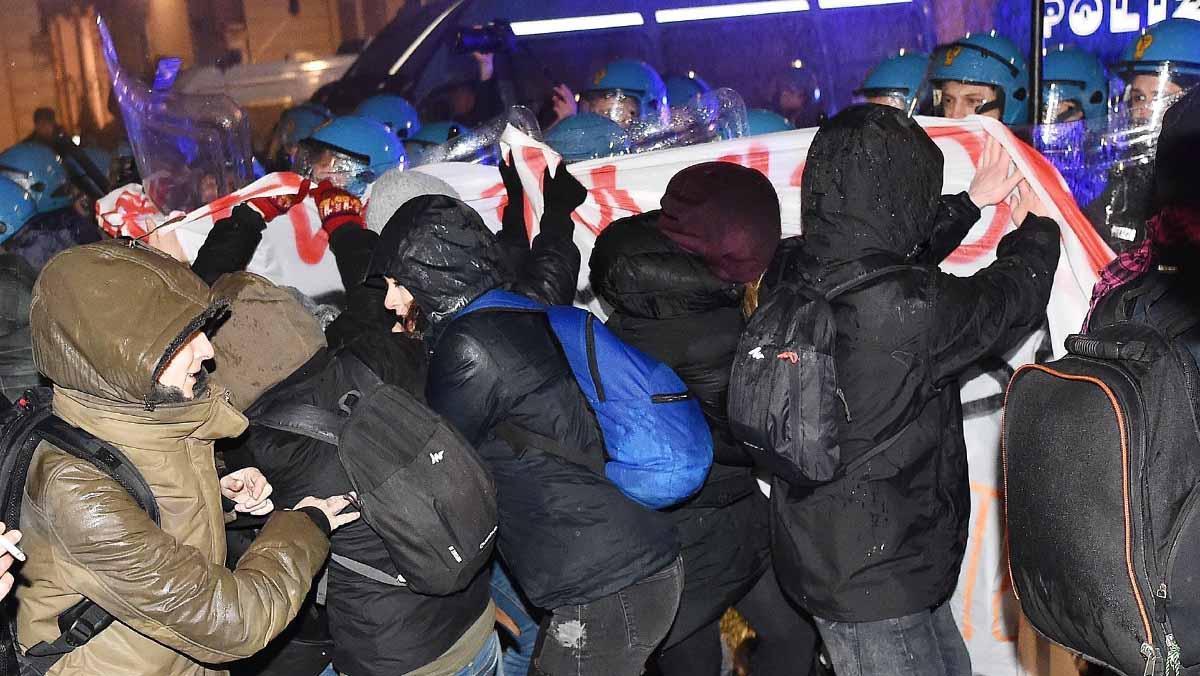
{"type": "Point", "coordinates": [888, 540]}
{"type": "Point", "coordinates": [567, 534]}
{"type": "Point", "coordinates": [667, 302]}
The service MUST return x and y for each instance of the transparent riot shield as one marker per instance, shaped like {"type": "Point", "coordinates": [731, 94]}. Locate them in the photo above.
{"type": "Point", "coordinates": [716, 115]}
{"type": "Point", "coordinates": [1123, 154]}
{"type": "Point", "coordinates": [481, 145]}
{"type": "Point", "coordinates": [189, 149]}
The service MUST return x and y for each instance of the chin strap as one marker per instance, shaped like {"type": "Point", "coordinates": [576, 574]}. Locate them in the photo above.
{"type": "Point", "coordinates": [995, 104]}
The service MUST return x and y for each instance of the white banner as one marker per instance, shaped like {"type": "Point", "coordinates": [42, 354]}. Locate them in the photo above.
{"type": "Point", "coordinates": [294, 252]}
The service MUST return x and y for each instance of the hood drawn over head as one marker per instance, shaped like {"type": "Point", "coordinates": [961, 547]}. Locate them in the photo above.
{"type": "Point", "coordinates": [638, 270]}
{"type": "Point", "coordinates": [107, 318]}
{"type": "Point", "coordinates": [725, 213]}
{"type": "Point", "coordinates": [440, 250]}
{"type": "Point", "coordinates": [871, 185]}
{"type": "Point", "coordinates": [268, 335]}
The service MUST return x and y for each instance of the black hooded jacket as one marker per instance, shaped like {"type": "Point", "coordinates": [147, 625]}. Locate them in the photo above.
{"type": "Point", "coordinates": [377, 629]}
{"type": "Point", "coordinates": [567, 534]}
{"type": "Point", "coordinates": [667, 303]}
{"type": "Point", "coordinates": [888, 540]}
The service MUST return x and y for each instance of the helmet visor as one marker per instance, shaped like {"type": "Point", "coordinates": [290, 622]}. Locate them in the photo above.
{"type": "Point", "coordinates": [318, 162]}
{"type": "Point", "coordinates": [896, 98]}
{"type": "Point", "coordinates": [1150, 89]}
{"type": "Point", "coordinates": [615, 104]}
{"type": "Point", "coordinates": [1062, 102]}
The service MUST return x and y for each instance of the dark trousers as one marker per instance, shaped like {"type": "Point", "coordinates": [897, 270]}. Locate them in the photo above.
{"type": "Point", "coordinates": [786, 644]}
{"type": "Point", "coordinates": [611, 636]}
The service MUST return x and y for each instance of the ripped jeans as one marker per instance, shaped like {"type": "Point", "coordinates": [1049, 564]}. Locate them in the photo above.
{"type": "Point", "coordinates": [614, 635]}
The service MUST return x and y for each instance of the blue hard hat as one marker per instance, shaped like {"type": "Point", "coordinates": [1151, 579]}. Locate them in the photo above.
{"type": "Point", "coordinates": [1077, 76]}
{"type": "Point", "coordinates": [681, 89]}
{"type": "Point", "coordinates": [16, 208]}
{"type": "Point", "coordinates": [1175, 42]}
{"type": "Point", "coordinates": [366, 140]}
{"type": "Point", "coordinates": [900, 75]}
{"type": "Point", "coordinates": [394, 111]}
{"type": "Point", "coordinates": [40, 172]}
{"type": "Point", "coordinates": [430, 135]}
{"type": "Point", "coordinates": [299, 122]}
{"type": "Point", "coordinates": [587, 136]}
{"type": "Point", "coordinates": [761, 121]}
{"type": "Point", "coordinates": [635, 78]}
{"type": "Point", "coordinates": [987, 59]}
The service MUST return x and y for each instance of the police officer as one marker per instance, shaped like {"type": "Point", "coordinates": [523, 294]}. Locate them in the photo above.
{"type": "Point", "coordinates": [981, 74]}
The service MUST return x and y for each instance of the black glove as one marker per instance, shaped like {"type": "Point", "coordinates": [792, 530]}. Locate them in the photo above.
{"type": "Point", "coordinates": [563, 192]}
{"type": "Point", "coordinates": [230, 245]}
{"type": "Point", "coordinates": [512, 181]}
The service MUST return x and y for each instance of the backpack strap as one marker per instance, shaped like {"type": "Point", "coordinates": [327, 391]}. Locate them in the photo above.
{"type": "Point", "coordinates": [858, 281]}
{"type": "Point", "coordinates": [82, 621]}
{"type": "Point", "coordinates": [369, 572]}
{"type": "Point", "coordinates": [305, 419]}
{"type": "Point", "coordinates": [318, 423]}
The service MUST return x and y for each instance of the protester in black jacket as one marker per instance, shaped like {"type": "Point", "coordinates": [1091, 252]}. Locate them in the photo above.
{"type": "Point", "coordinates": [681, 303]}
{"type": "Point", "coordinates": [269, 351]}
{"type": "Point", "coordinates": [606, 568]}
{"type": "Point", "coordinates": [875, 555]}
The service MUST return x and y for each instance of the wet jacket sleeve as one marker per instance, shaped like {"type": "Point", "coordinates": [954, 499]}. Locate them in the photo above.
{"type": "Point", "coordinates": [364, 311]}
{"type": "Point", "coordinates": [230, 244]}
{"type": "Point", "coordinates": [987, 313]}
{"type": "Point", "coordinates": [464, 386]}
{"type": "Point", "coordinates": [352, 248]}
{"type": "Point", "coordinates": [551, 268]}
{"type": "Point", "coordinates": [112, 553]}
{"type": "Point", "coordinates": [955, 216]}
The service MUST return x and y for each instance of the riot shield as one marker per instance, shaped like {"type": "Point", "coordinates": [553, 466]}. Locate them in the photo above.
{"type": "Point", "coordinates": [482, 145]}
{"type": "Point", "coordinates": [189, 149]}
{"type": "Point", "coordinates": [1122, 156]}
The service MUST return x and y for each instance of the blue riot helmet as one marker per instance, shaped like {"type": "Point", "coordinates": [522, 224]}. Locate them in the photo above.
{"type": "Point", "coordinates": [627, 90]}
{"type": "Point", "coordinates": [1159, 66]}
{"type": "Point", "coordinates": [394, 111]}
{"type": "Point", "coordinates": [761, 121]}
{"type": "Point", "coordinates": [896, 81]}
{"type": "Point", "coordinates": [979, 74]}
{"type": "Point", "coordinates": [295, 124]}
{"type": "Point", "coordinates": [350, 151]}
{"type": "Point", "coordinates": [16, 208]}
{"type": "Point", "coordinates": [40, 172]}
{"type": "Point", "coordinates": [682, 89]}
{"type": "Point", "coordinates": [587, 136]}
{"type": "Point", "coordinates": [432, 135]}
{"type": "Point", "coordinates": [1074, 87]}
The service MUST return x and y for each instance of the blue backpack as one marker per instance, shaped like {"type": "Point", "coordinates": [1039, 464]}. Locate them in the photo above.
{"type": "Point", "coordinates": [658, 442]}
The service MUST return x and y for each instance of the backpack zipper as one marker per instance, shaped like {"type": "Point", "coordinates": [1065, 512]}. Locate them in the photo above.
{"type": "Point", "coordinates": [593, 367]}
{"type": "Point", "coordinates": [1147, 650]}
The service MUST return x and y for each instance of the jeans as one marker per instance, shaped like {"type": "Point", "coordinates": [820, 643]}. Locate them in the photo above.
{"type": "Point", "coordinates": [485, 663]}
{"type": "Point", "coordinates": [613, 635]}
{"type": "Point", "coordinates": [518, 656]}
{"type": "Point", "coordinates": [927, 643]}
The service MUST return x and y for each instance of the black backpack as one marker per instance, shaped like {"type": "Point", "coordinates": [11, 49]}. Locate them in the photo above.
{"type": "Point", "coordinates": [1101, 457]}
{"type": "Point", "coordinates": [785, 405]}
{"type": "Point", "coordinates": [421, 486]}
{"type": "Point", "coordinates": [23, 426]}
